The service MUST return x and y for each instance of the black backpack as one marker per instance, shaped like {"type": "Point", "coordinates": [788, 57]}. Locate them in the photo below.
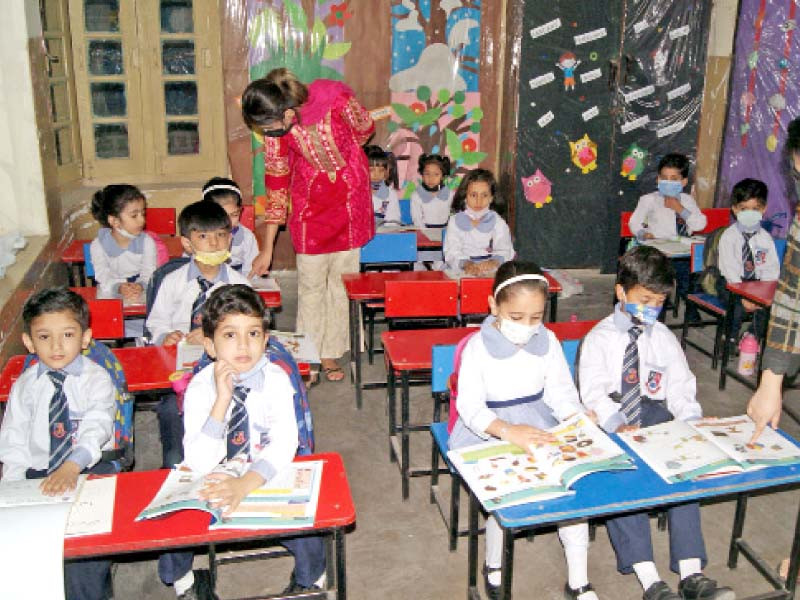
{"type": "Point", "coordinates": [155, 283]}
{"type": "Point", "coordinates": [711, 274]}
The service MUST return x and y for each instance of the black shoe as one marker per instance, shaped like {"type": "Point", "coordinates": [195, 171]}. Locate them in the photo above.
{"type": "Point", "coordinates": [492, 591]}
{"type": "Point", "coordinates": [660, 591]}
{"type": "Point", "coordinates": [700, 587]}
{"type": "Point", "coordinates": [572, 594]}
{"type": "Point", "coordinates": [202, 589]}
{"type": "Point", "coordinates": [296, 588]}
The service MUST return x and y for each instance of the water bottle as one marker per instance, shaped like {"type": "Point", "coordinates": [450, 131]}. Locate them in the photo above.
{"type": "Point", "coordinates": [748, 353]}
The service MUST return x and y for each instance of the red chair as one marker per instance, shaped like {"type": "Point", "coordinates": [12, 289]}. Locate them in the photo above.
{"type": "Point", "coordinates": [106, 320]}
{"type": "Point", "coordinates": [248, 216]}
{"type": "Point", "coordinates": [160, 220]}
{"type": "Point", "coordinates": [716, 218]}
{"type": "Point", "coordinates": [421, 300]}
{"type": "Point", "coordinates": [475, 292]}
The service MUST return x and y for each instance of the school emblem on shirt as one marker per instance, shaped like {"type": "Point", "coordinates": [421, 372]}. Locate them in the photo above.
{"type": "Point", "coordinates": [59, 430]}
{"type": "Point", "coordinates": [238, 439]}
{"type": "Point", "coordinates": [263, 440]}
{"type": "Point", "coordinates": [632, 375]}
{"type": "Point", "coordinates": [760, 256]}
{"type": "Point", "coordinates": [654, 382]}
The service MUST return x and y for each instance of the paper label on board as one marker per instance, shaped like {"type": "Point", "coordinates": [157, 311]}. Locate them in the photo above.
{"type": "Point", "coordinates": [635, 124]}
{"type": "Point", "coordinates": [674, 34]}
{"type": "Point", "coordinates": [670, 129]}
{"type": "Point", "coordinates": [679, 91]}
{"type": "Point", "coordinates": [542, 80]}
{"type": "Point", "coordinates": [640, 27]}
{"type": "Point", "coordinates": [591, 113]}
{"type": "Point", "coordinates": [383, 112]}
{"type": "Point", "coordinates": [591, 75]}
{"type": "Point", "coordinates": [546, 118]}
{"type": "Point", "coordinates": [640, 93]}
{"type": "Point", "coordinates": [590, 36]}
{"type": "Point", "coordinates": [545, 29]}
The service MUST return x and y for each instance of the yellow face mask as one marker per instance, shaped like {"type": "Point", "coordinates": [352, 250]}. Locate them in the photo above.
{"type": "Point", "coordinates": [212, 259]}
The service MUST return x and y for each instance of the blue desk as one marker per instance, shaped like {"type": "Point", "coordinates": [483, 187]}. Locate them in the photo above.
{"type": "Point", "coordinates": [613, 493]}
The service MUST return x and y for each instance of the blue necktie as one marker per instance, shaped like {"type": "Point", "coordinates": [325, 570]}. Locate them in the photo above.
{"type": "Point", "coordinates": [748, 262]}
{"type": "Point", "coordinates": [60, 434]}
{"type": "Point", "coordinates": [197, 305]}
{"type": "Point", "coordinates": [239, 425]}
{"type": "Point", "coordinates": [630, 403]}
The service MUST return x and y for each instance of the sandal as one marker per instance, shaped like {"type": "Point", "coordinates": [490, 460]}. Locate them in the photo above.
{"type": "Point", "coordinates": [333, 373]}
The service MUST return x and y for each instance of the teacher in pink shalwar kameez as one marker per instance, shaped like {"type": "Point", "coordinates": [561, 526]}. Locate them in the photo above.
{"type": "Point", "coordinates": [317, 180]}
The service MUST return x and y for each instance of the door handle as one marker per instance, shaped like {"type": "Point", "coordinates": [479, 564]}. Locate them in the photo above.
{"type": "Point", "coordinates": [613, 70]}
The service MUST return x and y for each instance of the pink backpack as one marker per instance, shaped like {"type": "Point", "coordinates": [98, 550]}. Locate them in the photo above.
{"type": "Point", "coordinates": [162, 254]}
{"type": "Point", "coordinates": [453, 381]}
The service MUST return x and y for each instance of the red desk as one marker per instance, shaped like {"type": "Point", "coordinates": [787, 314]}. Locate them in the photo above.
{"type": "Point", "coordinates": [425, 243]}
{"type": "Point", "coordinates": [761, 293]}
{"type": "Point", "coordinates": [335, 512]}
{"type": "Point", "coordinates": [130, 310]}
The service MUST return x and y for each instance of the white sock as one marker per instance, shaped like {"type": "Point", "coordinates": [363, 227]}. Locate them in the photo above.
{"type": "Point", "coordinates": [647, 574]}
{"type": "Point", "coordinates": [575, 539]}
{"type": "Point", "coordinates": [322, 581]}
{"type": "Point", "coordinates": [184, 584]}
{"type": "Point", "coordinates": [689, 566]}
{"type": "Point", "coordinates": [494, 577]}
{"type": "Point", "coordinates": [591, 595]}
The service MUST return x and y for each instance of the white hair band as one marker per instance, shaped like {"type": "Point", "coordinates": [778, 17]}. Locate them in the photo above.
{"type": "Point", "coordinates": [517, 278]}
{"type": "Point", "coordinates": [222, 186]}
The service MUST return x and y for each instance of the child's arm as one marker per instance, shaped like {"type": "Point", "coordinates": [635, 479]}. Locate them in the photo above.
{"type": "Point", "coordinates": [637, 219]}
{"type": "Point", "coordinates": [730, 256]}
{"type": "Point", "coordinates": [560, 393]}
{"type": "Point", "coordinates": [15, 434]}
{"type": "Point", "coordinates": [96, 428]}
{"type": "Point", "coordinates": [503, 249]}
{"type": "Point", "coordinates": [771, 269]}
{"type": "Point", "coordinates": [416, 211]}
{"type": "Point", "coordinates": [454, 246]}
{"type": "Point", "coordinates": [681, 389]}
{"type": "Point", "coordinates": [160, 321]}
{"type": "Point", "coordinates": [595, 380]}
{"type": "Point", "coordinates": [249, 250]}
{"type": "Point", "coordinates": [695, 219]}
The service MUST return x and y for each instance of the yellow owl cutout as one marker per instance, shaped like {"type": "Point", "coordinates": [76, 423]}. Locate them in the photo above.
{"type": "Point", "coordinates": [584, 154]}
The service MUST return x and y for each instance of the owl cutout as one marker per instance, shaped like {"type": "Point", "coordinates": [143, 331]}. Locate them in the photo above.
{"type": "Point", "coordinates": [584, 154]}
{"type": "Point", "coordinates": [633, 162]}
{"type": "Point", "coordinates": [537, 189]}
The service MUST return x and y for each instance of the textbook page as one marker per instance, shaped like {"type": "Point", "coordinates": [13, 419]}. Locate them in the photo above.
{"type": "Point", "coordinates": [92, 512]}
{"type": "Point", "coordinates": [299, 345]}
{"type": "Point", "coordinates": [181, 489]}
{"type": "Point", "coordinates": [187, 355]}
{"type": "Point", "coordinates": [733, 434]}
{"type": "Point", "coordinates": [28, 491]}
{"type": "Point", "coordinates": [265, 284]}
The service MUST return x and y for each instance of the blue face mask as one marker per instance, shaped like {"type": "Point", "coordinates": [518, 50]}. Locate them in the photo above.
{"type": "Point", "coordinates": [642, 313]}
{"type": "Point", "coordinates": [670, 189]}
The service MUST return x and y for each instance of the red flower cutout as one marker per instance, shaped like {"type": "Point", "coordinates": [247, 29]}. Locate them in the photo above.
{"type": "Point", "coordinates": [469, 145]}
{"type": "Point", "coordinates": [338, 15]}
{"type": "Point", "coordinates": [417, 107]}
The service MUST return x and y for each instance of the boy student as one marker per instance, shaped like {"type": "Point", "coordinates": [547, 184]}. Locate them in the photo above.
{"type": "Point", "coordinates": [60, 417]}
{"type": "Point", "coordinates": [240, 410]}
{"type": "Point", "coordinates": [670, 212]}
{"type": "Point", "coordinates": [633, 374]}
{"type": "Point", "coordinates": [747, 252]}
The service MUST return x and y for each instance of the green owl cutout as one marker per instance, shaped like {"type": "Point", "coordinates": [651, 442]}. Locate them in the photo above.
{"type": "Point", "coordinates": [633, 162]}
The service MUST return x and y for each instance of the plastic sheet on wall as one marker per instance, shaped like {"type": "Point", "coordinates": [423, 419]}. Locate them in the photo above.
{"type": "Point", "coordinates": [764, 98]}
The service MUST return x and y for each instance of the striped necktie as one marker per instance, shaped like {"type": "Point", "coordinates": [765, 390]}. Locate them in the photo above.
{"type": "Point", "coordinates": [681, 226]}
{"type": "Point", "coordinates": [630, 403]}
{"type": "Point", "coordinates": [748, 262]}
{"type": "Point", "coordinates": [239, 425]}
{"type": "Point", "coordinates": [197, 305]}
{"type": "Point", "coordinates": [60, 434]}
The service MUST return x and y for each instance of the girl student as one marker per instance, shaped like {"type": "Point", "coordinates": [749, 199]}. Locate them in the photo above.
{"type": "Point", "coordinates": [495, 401]}
{"type": "Point", "coordinates": [244, 246]}
{"type": "Point", "coordinates": [431, 201]}
{"type": "Point", "coordinates": [384, 183]}
{"type": "Point", "coordinates": [478, 240]}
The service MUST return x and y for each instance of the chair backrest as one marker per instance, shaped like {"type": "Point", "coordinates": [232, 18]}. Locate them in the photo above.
{"type": "Point", "coordinates": [441, 366]}
{"type": "Point", "coordinates": [405, 211]}
{"type": "Point", "coordinates": [421, 299]}
{"type": "Point", "coordinates": [780, 249]}
{"type": "Point", "coordinates": [105, 319]}
{"type": "Point", "coordinates": [716, 218]}
{"type": "Point", "coordinates": [248, 216]}
{"type": "Point", "coordinates": [475, 292]}
{"type": "Point", "coordinates": [88, 267]}
{"type": "Point", "coordinates": [390, 248]}
{"type": "Point", "coordinates": [696, 260]}
{"type": "Point", "coordinates": [624, 228]}
{"type": "Point", "coordinates": [160, 220]}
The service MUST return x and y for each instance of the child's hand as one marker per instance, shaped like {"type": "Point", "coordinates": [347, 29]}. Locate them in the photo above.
{"type": "Point", "coordinates": [674, 204]}
{"type": "Point", "coordinates": [63, 479]}
{"type": "Point", "coordinates": [749, 306]}
{"type": "Point", "coordinates": [471, 268]}
{"type": "Point", "coordinates": [488, 266]}
{"type": "Point", "coordinates": [130, 291]}
{"type": "Point", "coordinates": [592, 416]}
{"type": "Point", "coordinates": [195, 336]}
{"type": "Point", "coordinates": [526, 436]}
{"type": "Point", "coordinates": [173, 338]}
{"type": "Point", "coordinates": [648, 236]}
{"type": "Point", "coordinates": [626, 428]}
{"type": "Point", "coordinates": [224, 491]}
{"type": "Point", "coordinates": [224, 376]}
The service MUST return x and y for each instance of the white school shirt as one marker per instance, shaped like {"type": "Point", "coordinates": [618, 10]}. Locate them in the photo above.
{"type": "Point", "coordinates": [493, 369]}
{"type": "Point", "coordinates": [270, 411]}
{"type": "Point", "coordinates": [25, 433]}
{"type": "Point", "coordinates": [113, 264]}
{"type": "Point", "coordinates": [660, 220]}
{"type": "Point", "coordinates": [172, 308]}
{"type": "Point", "coordinates": [244, 249]}
{"type": "Point", "coordinates": [386, 203]}
{"type": "Point", "coordinates": [765, 256]}
{"type": "Point", "coordinates": [491, 238]}
{"type": "Point", "coordinates": [431, 208]}
{"type": "Point", "coordinates": [663, 370]}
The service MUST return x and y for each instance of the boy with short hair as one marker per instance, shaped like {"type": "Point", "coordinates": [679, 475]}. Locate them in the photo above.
{"type": "Point", "coordinates": [747, 252]}
{"type": "Point", "coordinates": [60, 416]}
{"type": "Point", "coordinates": [240, 410]}
{"type": "Point", "coordinates": [633, 373]}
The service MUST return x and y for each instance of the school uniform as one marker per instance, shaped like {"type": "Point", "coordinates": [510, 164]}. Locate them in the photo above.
{"type": "Point", "coordinates": [667, 390]}
{"type": "Point", "coordinates": [651, 216]}
{"type": "Point", "coordinates": [25, 444]}
{"type": "Point", "coordinates": [465, 242]}
{"type": "Point", "coordinates": [385, 204]}
{"type": "Point", "coordinates": [244, 249]}
{"type": "Point", "coordinates": [430, 210]}
{"type": "Point", "coordinates": [114, 265]}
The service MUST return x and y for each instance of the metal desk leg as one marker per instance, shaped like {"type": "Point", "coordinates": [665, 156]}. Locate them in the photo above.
{"type": "Point", "coordinates": [357, 358]}
{"type": "Point", "coordinates": [404, 433]}
{"type": "Point", "coordinates": [553, 307]}
{"type": "Point", "coordinates": [352, 315]}
{"type": "Point", "coordinates": [472, 548]}
{"type": "Point", "coordinates": [341, 564]}
{"type": "Point", "coordinates": [507, 564]}
{"type": "Point", "coordinates": [70, 274]}
{"type": "Point", "coordinates": [728, 325]}
{"type": "Point", "coordinates": [738, 528]}
{"type": "Point", "coordinates": [391, 394]}
{"type": "Point", "coordinates": [794, 559]}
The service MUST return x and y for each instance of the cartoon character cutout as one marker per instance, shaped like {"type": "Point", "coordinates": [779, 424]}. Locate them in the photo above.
{"type": "Point", "coordinates": [633, 162]}
{"type": "Point", "coordinates": [568, 62]}
{"type": "Point", "coordinates": [584, 154]}
{"type": "Point", "coordinates": [537, 189]}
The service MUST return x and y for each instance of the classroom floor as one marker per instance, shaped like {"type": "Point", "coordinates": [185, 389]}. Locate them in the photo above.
{"type": "Point", "coordinates": [399, 549]}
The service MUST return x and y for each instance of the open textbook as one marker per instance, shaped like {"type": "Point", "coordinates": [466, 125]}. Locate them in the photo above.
{"type": "Point", "coordinates": [681, 451]}
{"type": "Point", "coordinates": [502, 474]}
{"type": "Point", "coordinates": [288, 501]}
{"type": "Point", "coordinates": [265, 284]}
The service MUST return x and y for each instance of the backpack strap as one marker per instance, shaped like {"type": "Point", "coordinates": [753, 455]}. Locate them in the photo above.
{"type": "Point", "coordinates": [453, 381]}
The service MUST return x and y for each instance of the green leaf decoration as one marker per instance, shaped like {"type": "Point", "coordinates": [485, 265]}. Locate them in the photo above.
{"type": "Point", "coordinates": [477, 113]}
{"type": "Point", "coordinates": [296, 14]}
{"type": "Point", "coordinates": [406, 115]}
{"type": "Point", "coordinates": [473, 158]}
{"type": "Point", "coordinates": [319, 35]}
{"type": "Point", "coordinates": [423, 93]}
{"type": "Point", "coordinates": [458, 111]}
{"type": "Point", "coordinates": [431, 116]}
{"type": "Point", "coordinates": [459, 97]}
{"type": "Point", "coordinates": [475, 127]}
{"type": "Point", "coordinates": [443, 96]}
{"type": "Point", "coordinates": [453, 144]}
{"type": "Point", "coordinates": [336, 50]}
{"type": "Point", "coordinates": [265, 26]}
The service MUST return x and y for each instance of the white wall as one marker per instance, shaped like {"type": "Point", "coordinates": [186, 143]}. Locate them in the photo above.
{"type": "Point", "coordinates": [22, 196]}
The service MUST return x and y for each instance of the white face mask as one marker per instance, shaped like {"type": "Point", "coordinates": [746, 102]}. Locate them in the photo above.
{"type": "Point", "coordinates": [476, 215]}
{"type": "Point", "coordinates": [749, 218]}
{"type": "Point", "coordinates": [124, 233]}
{"type": "Point", "coordinates": [517, 333]}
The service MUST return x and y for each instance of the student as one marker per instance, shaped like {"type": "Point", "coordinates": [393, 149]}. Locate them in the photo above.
{"type": "Point", "coordinates": [670, 212]}
{"type": "Point", "coordinates": [494, 401]}
{"type": "Point", "coordinates": [80, 395]}
{"type": "Point", "coordinates": [478, 239]}
{"type": "Point", "coordinates": [431, 203]}
{"type": "Point", "coordinates": [633, 373]}
{"type": "Point", "coordinates": [244, 246]}
{"type": "Point", "coordinates": [747, 253]}
{"type": "Point", "coordinates": [240, 410]}
{"type": "Point", "coordinates": [123, 255]}
{"type": "Point", "coordinates": [384, 183]}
